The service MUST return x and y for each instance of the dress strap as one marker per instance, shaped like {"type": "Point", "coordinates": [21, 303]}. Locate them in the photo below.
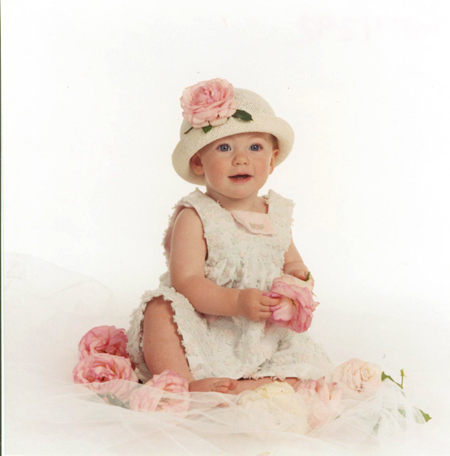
{"type": "Point", "coordinates": [280, 211]}
{"type": "Point", "coordinates": [208, 210]}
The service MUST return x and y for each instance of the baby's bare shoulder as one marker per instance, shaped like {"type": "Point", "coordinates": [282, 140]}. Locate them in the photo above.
{"type": "Point", "coordinates": [188, 231]}
{"type": "Point", "coordinates": [189, 249]}
{"type": "Point", "coordinates": [188, 219]}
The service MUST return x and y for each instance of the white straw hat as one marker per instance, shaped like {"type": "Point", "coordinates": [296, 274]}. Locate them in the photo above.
{"type": "Point", "coordinates": [264, 121]}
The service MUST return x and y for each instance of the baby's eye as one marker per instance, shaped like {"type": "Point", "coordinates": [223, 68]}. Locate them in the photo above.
{"type": "Point", "coordinates": [224, 147]}
{"type": "Point", "coordinates": [255, 147]}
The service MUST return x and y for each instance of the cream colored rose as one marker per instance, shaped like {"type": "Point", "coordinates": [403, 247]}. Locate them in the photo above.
{"type": "Point", "coordinates": [357, 378]}
{"type": "Point", "coordinates": [270, 390]}
{"type": "Point", "coordinates": [278, 398]}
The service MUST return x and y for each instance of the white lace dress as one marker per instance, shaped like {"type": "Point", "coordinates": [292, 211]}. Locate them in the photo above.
{"type": "Point", "coordinates": [234, 347]}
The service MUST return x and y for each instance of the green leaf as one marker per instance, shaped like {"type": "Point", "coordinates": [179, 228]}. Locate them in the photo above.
{"type": "Point", "coordinates": [207, 128]}
{"type": "Point", "coordinates": [384, 376]}
{"type": "Point", "coordinates": [243, 115]}
{"type": "Point", "coordinates": [186, 132]}
{"type": "Point", "coordinates": [307, 275]}
{"type": "Point", "coordinates": [114, 400]}
{"type": "Point", "coordinates": [425, 416]}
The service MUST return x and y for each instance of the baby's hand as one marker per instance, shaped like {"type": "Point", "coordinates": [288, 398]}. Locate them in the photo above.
{"type": "Point", "coordinates": [252, 304]}
{"type": "Point", "coordinates": [302, 274]}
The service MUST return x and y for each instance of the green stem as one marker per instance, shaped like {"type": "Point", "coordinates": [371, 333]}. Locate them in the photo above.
{"type": "Point", "coordinates": [402, 373]}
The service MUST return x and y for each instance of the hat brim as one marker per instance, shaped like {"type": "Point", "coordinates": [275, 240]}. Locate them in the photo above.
{"type": "Point", "coordinates": [196, 139]}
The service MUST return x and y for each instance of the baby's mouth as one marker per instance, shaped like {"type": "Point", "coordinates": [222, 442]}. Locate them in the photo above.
{"type": "Point", "coordinates": [240, 177]}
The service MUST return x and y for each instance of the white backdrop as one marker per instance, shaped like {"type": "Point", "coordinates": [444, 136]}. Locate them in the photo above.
{"type": "Point", "coordinates": [90, 113]}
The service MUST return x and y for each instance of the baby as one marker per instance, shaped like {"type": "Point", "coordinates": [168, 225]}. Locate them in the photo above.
{"type": "Point", "coordinates": [207, 321]}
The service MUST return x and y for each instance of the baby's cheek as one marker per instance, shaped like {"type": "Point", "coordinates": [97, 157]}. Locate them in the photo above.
{"type": "Point", "coordinates": [218, 169]}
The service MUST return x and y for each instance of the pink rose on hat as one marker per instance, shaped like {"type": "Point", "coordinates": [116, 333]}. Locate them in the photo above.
{"type": "Point", "coordinates": [296, 307]}
{"type": "Point", "coordinates": [210, 104]}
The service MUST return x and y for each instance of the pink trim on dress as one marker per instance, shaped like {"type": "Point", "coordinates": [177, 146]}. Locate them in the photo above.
{"type": "Point", "coordinates": [254, 222]}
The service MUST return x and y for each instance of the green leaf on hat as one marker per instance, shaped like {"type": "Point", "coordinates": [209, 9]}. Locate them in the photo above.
{"type": "Point", "coordinates": [243, 115]}
{"type": "Point", "coordinates": [207, 128]}
{"type": "Point", "coordinates": [186, 132]}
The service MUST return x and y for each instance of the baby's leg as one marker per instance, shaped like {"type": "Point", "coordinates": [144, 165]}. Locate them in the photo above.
{"type": "Point", "coordinates": [252, 384]}
{"type": "Point", "coordinates": [163, 348]}
{"type": "Point", "coordinates": [161, 341]}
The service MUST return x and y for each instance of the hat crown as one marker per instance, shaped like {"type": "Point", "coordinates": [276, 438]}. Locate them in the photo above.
{"type": "Point", "coordinates": [247, 101]}
{"type": "Point", "coordinates": [263, 120]}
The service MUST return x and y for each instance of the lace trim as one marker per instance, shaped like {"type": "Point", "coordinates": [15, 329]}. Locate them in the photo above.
{"type": "Point", "coordinates": [183, 311]}
{"type": "Point", "coordinates": [283, 362]}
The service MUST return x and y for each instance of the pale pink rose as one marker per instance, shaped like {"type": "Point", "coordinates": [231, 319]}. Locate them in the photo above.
{"type": "Point", "coordinates": [167, 392]}
{"type": "Point", "coordinates": [104, 339]}
{"type": "Point", "coordinates": [357, 378]}
{"type": "Point", "coordinates": [104, 373]}
{"type": "Point", "coordinates": [208, 103]}
{"type": "Point", "coordinates": [295, 310]}
{"type": "Point", "coordinates": [322, 398]}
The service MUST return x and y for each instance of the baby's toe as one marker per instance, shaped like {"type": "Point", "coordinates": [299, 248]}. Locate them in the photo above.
{"type": "Point", "coordinates": [221, 389]}
{"type": "Point", "coordinates": [223, 385]}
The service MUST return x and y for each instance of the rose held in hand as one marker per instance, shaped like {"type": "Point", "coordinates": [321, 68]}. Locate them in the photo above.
{"type": "Point", "coordinates": [296, 307]}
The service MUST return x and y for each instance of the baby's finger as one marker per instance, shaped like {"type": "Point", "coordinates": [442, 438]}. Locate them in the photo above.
{"type": "Point", "coordinates": [264, 315]}
{"type": "Point", "coordinates": [270, 301]}
{"type": "Point", "coordinates": [303, 275]}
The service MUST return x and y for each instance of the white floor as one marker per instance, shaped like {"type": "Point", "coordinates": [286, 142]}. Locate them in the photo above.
{"type": "Point", "coordinates": [47, 310]}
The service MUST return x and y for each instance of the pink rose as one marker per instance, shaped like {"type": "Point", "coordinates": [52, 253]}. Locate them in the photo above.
{"type": "Point", "coordinates": [104, 373]}
{"type": "Point", "coordinates": [295, 310]}
{"type": "Point", "coordinates": [208, 103]}
{"type": "Point", "coordinates": [358, 379]}
{"type": "Point", "coordinates": [153, 395]}
{"type": "Point", "coordinates": [322, 398]}
{"type": "Point", "coordinates": [104, 339]}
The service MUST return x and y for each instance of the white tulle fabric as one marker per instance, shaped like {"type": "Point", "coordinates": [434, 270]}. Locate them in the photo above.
{"type": "Point", "coordinates": [49, 309]}
{"type": "Point", "coordinates": [235, 347]}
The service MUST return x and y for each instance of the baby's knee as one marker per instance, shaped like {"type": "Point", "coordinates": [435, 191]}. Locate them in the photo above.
{"type": "Point", "coordinates": [159, 325]}
{"type": "Point", "coordinates": [159, 308]}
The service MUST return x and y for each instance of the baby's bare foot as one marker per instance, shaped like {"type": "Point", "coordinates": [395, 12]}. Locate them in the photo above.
{"type": "Point", "coordinates": [217, 385]}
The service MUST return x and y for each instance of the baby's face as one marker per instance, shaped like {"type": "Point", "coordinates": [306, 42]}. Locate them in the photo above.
{"type": "Point", "coordinates": [251, 155]}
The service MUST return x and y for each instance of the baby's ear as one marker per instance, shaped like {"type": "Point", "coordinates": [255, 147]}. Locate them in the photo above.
{"type": "Point", "coordinates": [273, 158]}
{"type": "Point", "coordinates": [196, 164]}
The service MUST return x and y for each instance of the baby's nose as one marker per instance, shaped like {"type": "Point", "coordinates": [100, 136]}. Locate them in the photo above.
{"type": "Point", "coordinates": [240, 157]}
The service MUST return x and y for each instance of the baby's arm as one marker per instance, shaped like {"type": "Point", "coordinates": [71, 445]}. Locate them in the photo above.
{"type": "Point", "coordinates": [187, 275]}
{"type": "Point", "coordinates": [293, 263]}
